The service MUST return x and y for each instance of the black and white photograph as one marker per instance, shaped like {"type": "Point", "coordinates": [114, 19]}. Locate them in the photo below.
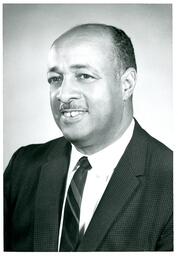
{"type": "Point", "coordinates": [87, 127]}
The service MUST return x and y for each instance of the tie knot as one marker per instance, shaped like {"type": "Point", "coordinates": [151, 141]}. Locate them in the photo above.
{"type": "Point", "coordinates": [84, 163]}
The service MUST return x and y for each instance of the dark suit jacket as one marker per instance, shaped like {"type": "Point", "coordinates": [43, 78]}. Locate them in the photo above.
{"type": "Point", "coordinates": [134, 214]}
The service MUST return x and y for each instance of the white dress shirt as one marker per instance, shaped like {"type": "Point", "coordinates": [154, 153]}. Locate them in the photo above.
{"type": "Point", "coordinates": [103, 164]}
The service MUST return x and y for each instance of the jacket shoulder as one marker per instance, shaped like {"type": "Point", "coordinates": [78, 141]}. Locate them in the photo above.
{"type": "Point", "coordinates": [151, 156]}
{"type": "Point", "coordinates": [156, 150]}
{"type": "Point", "coordinates": [30, 157]}
{"type": "Point", "coordinates": [158, 163]}
{"type": "Point", "coordinates": [159, 153]}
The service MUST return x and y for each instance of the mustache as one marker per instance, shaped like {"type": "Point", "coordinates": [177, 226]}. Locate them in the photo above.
{"type": "Point", "coordinates": [71, 106]}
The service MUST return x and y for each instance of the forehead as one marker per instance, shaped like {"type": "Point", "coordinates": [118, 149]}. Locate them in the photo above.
{"type": "Point", "coordinates": [78, 48]}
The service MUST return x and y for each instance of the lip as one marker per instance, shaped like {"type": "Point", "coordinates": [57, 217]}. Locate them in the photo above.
{"type": "Point", "coordinates": [72, 115]}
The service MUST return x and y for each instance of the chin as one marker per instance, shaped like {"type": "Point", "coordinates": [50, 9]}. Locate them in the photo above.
{"type": "Point", "coordinates": [75, 132]}
{"type": "Point", "coordinates": [73, 137]}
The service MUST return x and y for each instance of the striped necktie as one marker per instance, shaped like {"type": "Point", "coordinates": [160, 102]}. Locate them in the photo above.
{"type": "Point", "coordinates": [71, 235]}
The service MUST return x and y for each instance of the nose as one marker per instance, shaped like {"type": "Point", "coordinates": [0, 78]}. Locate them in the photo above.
{"type": "Point", "coordinates": [67, 91]}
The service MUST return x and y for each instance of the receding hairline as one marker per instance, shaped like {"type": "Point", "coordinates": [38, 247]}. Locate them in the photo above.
{"type": "Point", "coordinates": [124, 56]}
{"type": "Point", "coordinates": [92, 31]}
{"type": "Point", "coordinates": [84, 29]}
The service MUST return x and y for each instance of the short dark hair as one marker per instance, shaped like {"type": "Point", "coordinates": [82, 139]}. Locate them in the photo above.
{"type": "Point", "coordinates": [122, 43]}
{"type": "Point", "coordinates": [124, 48]}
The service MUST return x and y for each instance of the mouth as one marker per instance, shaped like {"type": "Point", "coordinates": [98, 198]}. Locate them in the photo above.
{"type": "Point", "coordinates": [71, 115]}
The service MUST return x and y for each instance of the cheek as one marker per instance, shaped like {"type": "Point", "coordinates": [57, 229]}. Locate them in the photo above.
{"type": "Point", "coordinates": [102, 111]}
{"type": "Point", "coordinates": [54, 105]}
{"type": "Point", "coordinates": [107, 106]}
{"type": "Point", "coordinates": [105, 100]}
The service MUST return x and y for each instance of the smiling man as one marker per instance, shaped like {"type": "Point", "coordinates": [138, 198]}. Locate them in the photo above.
{"type": "Point", "coordinates": [107, 184]}
{"type": "Point", "coordinates": [89, 90]}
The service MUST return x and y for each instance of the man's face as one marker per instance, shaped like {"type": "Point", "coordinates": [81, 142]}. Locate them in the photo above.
{"type": "Point", "coordinates": [85, 90]}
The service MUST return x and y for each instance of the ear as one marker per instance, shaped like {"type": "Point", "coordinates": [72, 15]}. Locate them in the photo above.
{"type": "Point", "coordinates": [128, 81]}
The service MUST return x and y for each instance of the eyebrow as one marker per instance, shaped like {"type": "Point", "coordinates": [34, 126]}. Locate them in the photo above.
{"type": "Point", "coordinates": [73, 67]}
{"type": "Point", "coordinates": [82, 66]}
{"type": "Point", "coordinates": [53, 69]}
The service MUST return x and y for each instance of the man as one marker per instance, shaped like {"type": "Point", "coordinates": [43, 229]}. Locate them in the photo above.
{"type": "Point", "coordinates": [124, 203]}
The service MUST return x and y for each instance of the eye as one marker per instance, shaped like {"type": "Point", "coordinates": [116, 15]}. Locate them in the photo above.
{"type": "Point", "coordinates": [55, 80]}
{"type": "Point", "coordinates": [85, 77]}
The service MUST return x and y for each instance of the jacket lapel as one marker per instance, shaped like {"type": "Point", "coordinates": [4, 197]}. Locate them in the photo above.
{"type": "Point", "coordinates": [49, 197]}
{"type": "Point", "coordinates": [123, 183]}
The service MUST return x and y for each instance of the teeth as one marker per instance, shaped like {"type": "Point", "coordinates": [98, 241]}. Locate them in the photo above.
{"type": "Point", "coordinates": [67, 114]}
{"type": "Point", "coordinates": [72, 113]}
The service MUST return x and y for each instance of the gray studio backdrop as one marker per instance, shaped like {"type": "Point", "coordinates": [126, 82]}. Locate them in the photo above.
{"type": "Point", "coordinates": [29, 30]}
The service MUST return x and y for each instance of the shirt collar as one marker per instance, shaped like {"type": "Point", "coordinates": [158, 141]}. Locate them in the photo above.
{"type": "Point", "coordinates": [106, 160]}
